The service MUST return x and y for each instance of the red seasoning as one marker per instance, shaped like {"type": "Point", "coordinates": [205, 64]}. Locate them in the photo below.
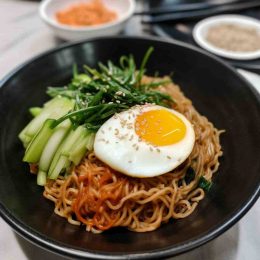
{"type": "Point", "coordinates": [86, 14]}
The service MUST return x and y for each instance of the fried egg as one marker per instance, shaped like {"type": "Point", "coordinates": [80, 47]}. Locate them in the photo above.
{"type": "Point", "coordinates": [145, 141]}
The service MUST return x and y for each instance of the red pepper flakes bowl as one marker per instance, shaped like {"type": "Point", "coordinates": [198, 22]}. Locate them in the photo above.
{"type": "Point", "coordinates": [48, 9]}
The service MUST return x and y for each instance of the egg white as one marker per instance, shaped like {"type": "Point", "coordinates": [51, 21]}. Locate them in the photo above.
{"type": "Point", "coordinates": [117, 145]}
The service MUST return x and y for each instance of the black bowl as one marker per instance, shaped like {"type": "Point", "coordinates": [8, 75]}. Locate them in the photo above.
{"type": "Point", "coordinates": [216, 90]}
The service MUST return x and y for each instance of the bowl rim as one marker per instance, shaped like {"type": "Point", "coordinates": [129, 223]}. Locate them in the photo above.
{"type": "Point", "coordinates": [209, 22]}
{"type": "Point", "coordinates": [54, 246]}
{"type": "Point", "coordinates": [51, 22]}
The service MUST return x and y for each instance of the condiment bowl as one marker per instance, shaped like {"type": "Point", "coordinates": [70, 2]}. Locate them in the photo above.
{"type": "Point", "coordinates": [201, 29]}
{"type": "Point", "coordinates": [48, 9]}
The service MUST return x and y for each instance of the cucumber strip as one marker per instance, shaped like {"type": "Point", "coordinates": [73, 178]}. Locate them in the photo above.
{"type": "Point", "coordinates": [81, 146]}
{"type": "Point", "coordinates": [50, 102]}
{"type": "Point", "coordinates": [35, 111]}
{"type": "Point", "coordinates": [61, 159]}
{"type": "Point", "coordinates": [54, 109]}
{"type": "Point", "coordinates": [59, 167]}
{"type": "Point", "coordinates": [67, 168]}
{"type": "Point", "coordinates": [22, 135]}
{"type": "Point", "coordinates": [25, 139]}
{"type": "Point", "coordinates": [78, 153]}
{"type": "Point", "coordinates": [41, 178]}
{"type": "Point", "coordinates": [35, 148]}
{"type": "Point", "coordinates": [71, 140]}
{"type": "Point", "coordinates": [34, 126]}
{"type": "Point", "coordinates": [59, 152]}
{"type": "Point", "coordinates": [78, 142]}
{"type": "Point", "coordinates": [56, 156]}
{"type": "Point", "coordinates": [90, 143]}
{"type": "Point", "coordinates": [58, 100]}
{"type": "Point", "coordinates": [52, 145]}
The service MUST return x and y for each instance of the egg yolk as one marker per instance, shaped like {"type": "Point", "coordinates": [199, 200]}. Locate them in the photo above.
{"type": "Point", "coordinates": [160, 127]}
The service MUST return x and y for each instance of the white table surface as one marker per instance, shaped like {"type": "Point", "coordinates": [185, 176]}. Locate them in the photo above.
{"type": "Point", "coordinates": [22, 36]}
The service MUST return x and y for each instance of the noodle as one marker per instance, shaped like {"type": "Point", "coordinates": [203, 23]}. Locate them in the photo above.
{"type": "Point", "coordinates": [101, 198]}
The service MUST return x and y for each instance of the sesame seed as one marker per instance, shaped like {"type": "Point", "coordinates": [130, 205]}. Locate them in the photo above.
{"type": "Point", "coordinates": [116, 131]}
{"type": "Point", "coordinates": [158, 150]}
{"type": "Point", "coordinates": [169, 157]}
{"type": "Point", "coordinates": [129, 161]}
{"type": "Point", "coordinates": [151, 149]}
{"type": "Point", "coordinates": [102, 131]}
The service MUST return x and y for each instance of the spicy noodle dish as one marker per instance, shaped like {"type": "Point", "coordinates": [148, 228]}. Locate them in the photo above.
{"type": "Point", "coordinates": [116, 147]}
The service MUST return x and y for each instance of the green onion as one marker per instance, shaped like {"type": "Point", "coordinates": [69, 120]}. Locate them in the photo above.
{"type": "Point", "coordinates": [204, 184]}
{"type": "Point", "coordinates": [142, 68]}
{"type": "Point", "coordinates": [100, 93]}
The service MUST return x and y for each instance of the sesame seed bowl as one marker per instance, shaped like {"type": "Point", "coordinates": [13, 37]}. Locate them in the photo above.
{"type": "Point", "coordinates": [236, 45]}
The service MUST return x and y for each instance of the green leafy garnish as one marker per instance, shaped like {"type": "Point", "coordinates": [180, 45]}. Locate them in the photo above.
{"type": "Point", "coordinates": [80, 108]}
{"type": "Point", "coordinates": [100, 93]}
{"type": "Point", "coordinates": [204, 184]}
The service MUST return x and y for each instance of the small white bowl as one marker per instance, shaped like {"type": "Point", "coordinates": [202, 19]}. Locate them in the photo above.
{"type": "Point", "coordinates": [201, 29]}
{"type": "Point", "coordinates": [48, 9]}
